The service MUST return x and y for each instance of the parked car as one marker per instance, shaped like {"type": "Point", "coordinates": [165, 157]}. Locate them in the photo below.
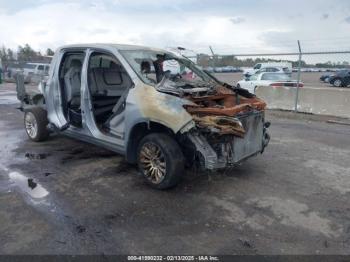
{"type": "Point", "coordinates": [287, 67]}
{"type": "Point", "coordinates": [209, 69]}
{"type": "Point", "coordinates": [107, 95]}
{"type": "Point", "coordinates": [340, 79]}
{"type": "Point", "coordinates": [218, 69]}
{"type": "Point", "coordinates": [283, 70]}
{"type": "Point", "coordinates": [227, 69]}
{"type": "Point", "coordinates": [325, 78]}
{"type": "Point", "coordinates": [267, 79]}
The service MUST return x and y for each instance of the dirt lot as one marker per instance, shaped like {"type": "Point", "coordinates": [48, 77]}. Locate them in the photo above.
{"type": "Point", "coordinates": [80, 199]}
{"type": "Point", "coordinates": [310, 79]}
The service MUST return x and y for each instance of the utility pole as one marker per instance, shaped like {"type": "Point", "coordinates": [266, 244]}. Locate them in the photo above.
{"type": "Point", "coordinates": [298, 80]}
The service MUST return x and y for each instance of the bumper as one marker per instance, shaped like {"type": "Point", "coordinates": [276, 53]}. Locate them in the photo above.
{"type": "Point", "coordinates": [230, 150]}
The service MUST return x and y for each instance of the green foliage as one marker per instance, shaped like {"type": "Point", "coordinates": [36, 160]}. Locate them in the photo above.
{"type": "Point", "coordinates": [49, 52]}
{"type": "Point", "coordinates": [26, 53]}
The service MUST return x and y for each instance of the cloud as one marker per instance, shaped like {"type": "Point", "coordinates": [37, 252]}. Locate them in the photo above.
{"type": "Point", "coordinates": [194, 24]}
{"type": "Point", "coordinates": [237, 20]}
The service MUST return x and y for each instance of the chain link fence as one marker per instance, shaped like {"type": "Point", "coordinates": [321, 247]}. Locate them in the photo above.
{"type": "Point", "coordinates": [310, 69]}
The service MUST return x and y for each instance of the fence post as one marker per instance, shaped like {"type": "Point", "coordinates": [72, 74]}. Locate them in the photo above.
{"type": "Point", "coordinates": [298, 80]}
{"type": "Point", "coordinates": [213, 57]}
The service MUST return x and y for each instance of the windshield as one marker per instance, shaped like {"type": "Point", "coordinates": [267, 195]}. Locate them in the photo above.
{"type": "Point", "coordinates": [29, 66]}
{"type": "Point", "coordinates": [153, 66]}
{"type": "Point", "coordinates": [275, 76]}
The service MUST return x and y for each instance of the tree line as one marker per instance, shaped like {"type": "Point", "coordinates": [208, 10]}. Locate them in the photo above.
{"type": "Point", "coordinates": [230, 60]}
{"type": "Point", "coordinates": [27, 54]}
{"type": "Point", "coordinates": [23, 54]}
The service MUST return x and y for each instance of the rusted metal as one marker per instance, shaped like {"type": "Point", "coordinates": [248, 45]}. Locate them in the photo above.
{"type": "Point", "coordinates": [224, 102]}
{"type": "Point", "coordinates": [217, 111]}
{"type": "Point", "coordinates": [221, 124]}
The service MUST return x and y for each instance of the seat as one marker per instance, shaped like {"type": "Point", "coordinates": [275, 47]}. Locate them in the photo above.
{"type": "Point", "coordinates": [72, 80]}
{"type": "Point", "coordinates": [107, 85]}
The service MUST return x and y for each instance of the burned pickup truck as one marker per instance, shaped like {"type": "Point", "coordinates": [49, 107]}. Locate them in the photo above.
{"type": "Point", "coordinates": [157, 108]}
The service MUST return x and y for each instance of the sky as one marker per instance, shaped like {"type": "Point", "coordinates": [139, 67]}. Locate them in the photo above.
{"type": "Point", "coordinates": [230, 27]}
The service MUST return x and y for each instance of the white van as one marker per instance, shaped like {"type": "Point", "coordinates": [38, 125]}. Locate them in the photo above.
{"type": "Point", "coordinates": [36, 69]}
{"type": "Point", "coordinates": [286, 66]}
{"type": "Point", "coordinates": [34, 72]}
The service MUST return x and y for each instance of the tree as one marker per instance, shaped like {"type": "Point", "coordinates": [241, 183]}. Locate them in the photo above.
{"type": "Point", "coordinates": [3, 53]}
{"type": "Point", "coordinates": [49, 52]}
{"type": "Point", "coordinates": [27, 53]}
{"type": "Point", "coordinates": [10, 54]}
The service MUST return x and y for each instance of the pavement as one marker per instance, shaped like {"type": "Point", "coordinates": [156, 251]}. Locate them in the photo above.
{"type": "Point", "coordinates": [63, 196]}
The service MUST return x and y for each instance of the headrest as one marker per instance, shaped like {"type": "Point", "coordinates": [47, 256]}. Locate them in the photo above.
{"type": "Point", "coordinates": [75, 63]}
{"type": "Point", "coordinates": [114, 66]}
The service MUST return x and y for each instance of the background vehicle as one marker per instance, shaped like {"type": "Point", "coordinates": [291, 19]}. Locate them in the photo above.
{"type": "Point", "coordinates": [340, 79]}
{"type": "Point", "coordinates": [109, 96]}
{"type": "Point", "coordinates": [325, 78]}
{"type": "Point", "coordinates": [286, 67]}
{"type": "Point", "coordinates": [267, 79]}
{"type": "Point", "coordinates": [35, 71]}
{"type": "Point", "coordinates": [274, 70]}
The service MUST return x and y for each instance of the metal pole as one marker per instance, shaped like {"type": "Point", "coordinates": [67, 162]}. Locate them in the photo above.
{"type": "Point", "coordinates": [298, 80]}
{"type": "Point", "coordinates": [212, 52]}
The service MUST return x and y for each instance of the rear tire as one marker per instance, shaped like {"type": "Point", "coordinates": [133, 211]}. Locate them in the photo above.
{"type": "Point", "coordinates": [160, 160]}
{"type": "Point", "coordinates": [35, 124]}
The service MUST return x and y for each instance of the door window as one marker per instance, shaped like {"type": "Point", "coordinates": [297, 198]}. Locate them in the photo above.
{"type": "Point", "coordinates": [258, 66]}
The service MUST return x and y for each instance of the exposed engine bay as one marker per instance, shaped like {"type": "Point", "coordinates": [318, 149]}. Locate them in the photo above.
{"type": "Point", "coordinates": [229, 122]}
{"type": "Point", "coordinates": [215, 107]}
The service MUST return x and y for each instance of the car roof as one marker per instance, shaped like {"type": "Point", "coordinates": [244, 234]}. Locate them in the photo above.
{"type": "Point", "coordinates": [119, 47]}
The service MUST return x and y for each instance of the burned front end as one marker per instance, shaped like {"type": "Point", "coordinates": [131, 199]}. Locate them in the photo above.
{"type": "Point", "coordinates": [228, 124]}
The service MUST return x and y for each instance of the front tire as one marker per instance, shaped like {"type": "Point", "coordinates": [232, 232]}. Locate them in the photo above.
{"type": "Point", "coordinates": [35, 124]}
{"type": "Point", "coordinates": [337, 83]}
{"type": "Point", "coordinates": [160, 160]}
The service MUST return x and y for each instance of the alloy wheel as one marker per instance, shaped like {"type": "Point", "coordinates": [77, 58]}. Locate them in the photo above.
{"type": "Point", "coordinates": [337, 83]}
{"type": "Point", "coordinates": [31, 125]}
{"type": "Point", "coordinates": [153, 162]}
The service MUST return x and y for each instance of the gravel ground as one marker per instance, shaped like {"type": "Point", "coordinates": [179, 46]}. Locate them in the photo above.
{"type": "Point", "coordinates": [63, 196]}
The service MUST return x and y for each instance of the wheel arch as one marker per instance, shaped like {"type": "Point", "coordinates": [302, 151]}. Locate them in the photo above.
{"type": "Point", "coordinates": [140, 130]}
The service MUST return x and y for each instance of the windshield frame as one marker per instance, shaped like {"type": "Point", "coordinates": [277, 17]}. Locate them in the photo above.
{"type": "Point", "coordinates": [168, 56]}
